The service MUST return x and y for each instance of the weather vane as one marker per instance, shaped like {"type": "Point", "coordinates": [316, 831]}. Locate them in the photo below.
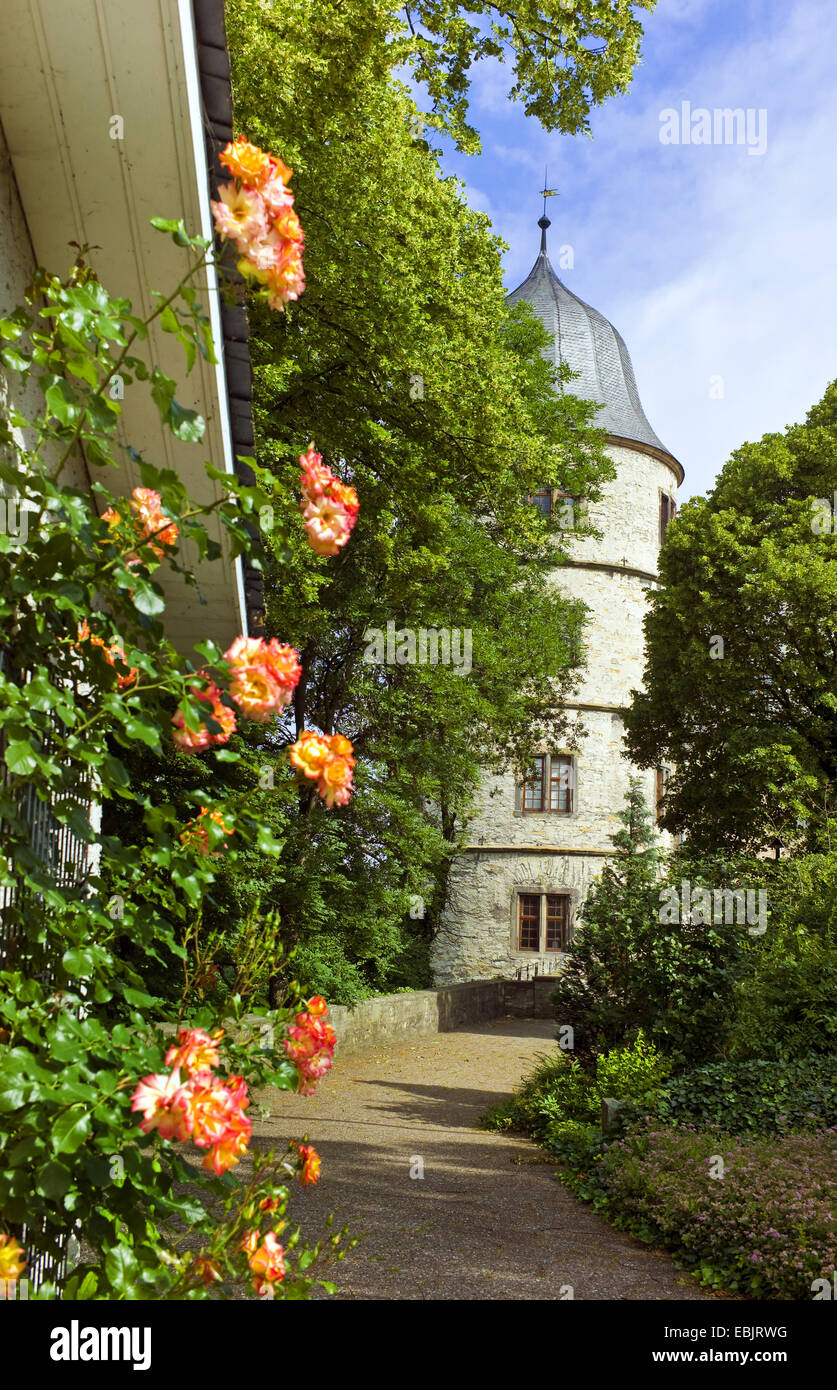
{"type": "Point", "coordinates": [547, 192]}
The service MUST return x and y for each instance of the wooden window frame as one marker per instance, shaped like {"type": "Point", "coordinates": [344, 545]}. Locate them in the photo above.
{"type": "Point", "coordinates": [530, 784]}
{"type": "Point", "coordinates": [523, 900]}
{"type": "Point", "coordinates": [564, 929]}
{"type": "Point", "coordinates": [562, 763]}
{"type": "Point", "coordinates": [668, 511]}
{"type": "Point", "coordinates": [526, 920]}
{"type": "Point", "coordinates": [545, 493]}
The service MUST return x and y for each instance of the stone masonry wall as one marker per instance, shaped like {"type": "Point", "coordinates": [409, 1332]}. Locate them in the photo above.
{"type": "Point", "coordinates": [511, 851]}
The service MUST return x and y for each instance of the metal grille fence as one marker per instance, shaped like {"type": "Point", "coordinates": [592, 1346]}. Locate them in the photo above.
{"type": "Point", "coordinates": [66, 857]}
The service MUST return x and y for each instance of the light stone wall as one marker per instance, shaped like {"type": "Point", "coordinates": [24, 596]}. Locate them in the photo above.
{"type": "Point", "coordinates": [511, 851]}
{"type": "Point", "coordinates": [17, 264]}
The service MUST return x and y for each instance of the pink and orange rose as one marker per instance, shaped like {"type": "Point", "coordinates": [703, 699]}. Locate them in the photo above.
{"type": "Point", "coordinates": [310, 1045]}
{"type": "Point", "coordinates": [255, 213]}
{"type": "Point", "coordinates": [263, 676]}
{"type": "Point", "coordinates": [12, 1259]}
{"type": "Point", "coordinates": [326, 759]}
{"type": "Point", "coordinates": [195, 740]}
{"type": "Point", "coordinates": [329, 506]}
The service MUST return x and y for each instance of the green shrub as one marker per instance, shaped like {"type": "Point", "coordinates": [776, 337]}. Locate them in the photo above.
{"type": "Point", "coordinates": [628, 1073]}
{"type": "Point", "coordinates": [577, 1144]}
{"type": "Point", "coordinates": [754, 1097]}
{"type": "Point", "coordinates": [321, 966]}
{"type": "Point", "coordinates": [560, 1103]}
{"type": "Point", "coordinates": [628, 972]}
{"type": "Point", "coordinates": [786, 1007]}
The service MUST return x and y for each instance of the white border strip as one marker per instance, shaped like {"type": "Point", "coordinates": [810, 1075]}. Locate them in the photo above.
{"type": "Point", "coordinates": [189, 43]}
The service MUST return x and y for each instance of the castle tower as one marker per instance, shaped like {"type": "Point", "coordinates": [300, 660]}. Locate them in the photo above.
{"type": "Point", "coordinates": [536, 844]}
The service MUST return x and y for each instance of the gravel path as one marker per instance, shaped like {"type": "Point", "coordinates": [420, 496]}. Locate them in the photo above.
{"type": "Point", "coordinates": [487, 1220]}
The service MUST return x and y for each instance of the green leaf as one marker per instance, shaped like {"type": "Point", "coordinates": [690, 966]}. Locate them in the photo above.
{"type": "Point", "coordinates": [62, 402]}
{"type": "Point", "coordinates": [186, 424]}
{"type": "Point", "coordinates": [137, 998]}
{"type": "Point", "coordinates": [11, 328]}
{"type": "Point", "coordinates": [148, 598]}
{"type": "Point", "coordinates": [19, 758]}
{"type": "Point", "coordinates": [84, 960]}
{"type": "Point", "coordinates": [53, 1180]}
{"type": "Point", "coordinates": [70, 1130]}
{"type": "Point", "coordinates": [284, 1078]}
{"type": "Point", "coordinates": [175, 227]}
{"type": "Point", "coordinates": [146, 731]}
{"type": "Point", "coordinates": [122, 1269]}
{"type": "Point", "coordinates": [14, 360]}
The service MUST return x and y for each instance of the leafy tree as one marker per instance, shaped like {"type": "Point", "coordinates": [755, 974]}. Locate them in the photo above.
{"type": "Point", "coordinates": [741, 641]}
{"type": "Point", "coordinates": [628, 971]}
{"type": "Point", "coordinates": [785, 1009]}
{"type": "Point", "coordinates": [435, 401]}
{"type": "Point", "coordinates": [566, 57]}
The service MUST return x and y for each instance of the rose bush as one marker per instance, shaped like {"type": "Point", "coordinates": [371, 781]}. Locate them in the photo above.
{"type": "Point", "coordinates": [102, 1115]}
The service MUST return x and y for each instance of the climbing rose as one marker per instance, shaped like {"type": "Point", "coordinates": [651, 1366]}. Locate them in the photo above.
{"type": "Point", "coordinates": [227, 1152]}
{"type": "Point", "coordinates": [256, 214]}
{"type": "Point", "coordinates": [310, 752]}
{"type": "Point", "coordinates": [197, 835]}
{"type": "Point", "coordinates": [206, 1269]}
{"type": "Point", "coordinates": [329, 507]}
{"type": "Point", "coordinates": [150, 526]}
{"type": "Point", "coordinates": [248, 163]}
{"type": "Point", "coordinates": [203, 1108]}
{"type": "Point", "coordinates": [264, 676]}
{"type": "Point", "coordinates": [194, 1050]}
{"type": "Point", "coordinates": [335, 782]}
{"type": "Point", "coordinates": [195, 740]}
{"type": "Point", "coordinates": [266, 1260]}
{"type": "Point", "coordinates": [317, 1006]}
{"type": "Point", "coordinates": [311, 1164]}
{"type": "Point", "coordinates": [12, 1258]}
{"type": "Point", "coordinates": [326, 758]}
{"type": "Point", "coordinates": [275, 193]}
{"type": "Point", "coordinates": [163, 1102]}
{"type": "Point", "coordinates": [216, 1118]}
{"type": "Point", "coordinates": [310, 1045]}
{"type": "Point", "coordinates": [240, 216]}
{"type": "Point", "coordinates": [271, 1204]}
{"type": "Point", "coordinates": [113, 653]}
{"type": "Point", "coordinates": [156, 528]}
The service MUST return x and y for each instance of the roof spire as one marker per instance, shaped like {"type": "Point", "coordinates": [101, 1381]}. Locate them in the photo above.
{"type": "Point", "coordinates": [544, 222]}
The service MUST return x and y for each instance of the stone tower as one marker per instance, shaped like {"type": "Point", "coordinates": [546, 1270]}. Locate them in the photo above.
{"type": "Point", "coordinates": [535, 844]}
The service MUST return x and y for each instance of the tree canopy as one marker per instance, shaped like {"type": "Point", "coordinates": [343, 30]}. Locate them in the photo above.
{"type": "Point", "coordinates": [741, 642]}
{"type": "Point", "coordinates": [421, 388]}
{"type": "Point", "coordinates": [566, 58]}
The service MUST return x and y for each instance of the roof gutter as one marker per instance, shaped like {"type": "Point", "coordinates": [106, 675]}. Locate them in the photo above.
{"type": "Point", "coordinates": [210, 104]}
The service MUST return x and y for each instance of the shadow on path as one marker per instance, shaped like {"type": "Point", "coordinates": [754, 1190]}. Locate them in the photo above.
{"type": "Point", "coordinates": [445, 1210]}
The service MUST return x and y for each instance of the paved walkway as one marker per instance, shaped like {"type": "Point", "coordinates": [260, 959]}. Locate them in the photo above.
{"type": "Point", "coordinates": [488, 1220]}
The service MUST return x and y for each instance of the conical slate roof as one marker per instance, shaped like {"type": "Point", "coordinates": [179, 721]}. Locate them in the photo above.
{"type": "Point", "coordinates": [590, 345]}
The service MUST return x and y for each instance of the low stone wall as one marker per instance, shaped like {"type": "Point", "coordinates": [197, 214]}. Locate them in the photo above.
{"type": "Point", "coordinates": [397, 1017]}
{"type": "Point", "coordinates": [529, 998]}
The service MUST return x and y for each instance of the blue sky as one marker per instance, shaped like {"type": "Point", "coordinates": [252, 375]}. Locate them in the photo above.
{"type": "Point", "coordinates": [711, 262]}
